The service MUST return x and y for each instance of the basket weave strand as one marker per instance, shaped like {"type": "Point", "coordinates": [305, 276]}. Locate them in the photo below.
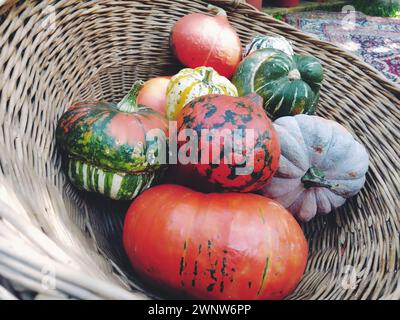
{"type": "Point", "coordinates": [54, 53]}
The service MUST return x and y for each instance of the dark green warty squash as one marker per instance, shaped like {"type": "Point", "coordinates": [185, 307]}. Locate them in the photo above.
{"type": "Point", "coordinates": [106, 146]}
{"type": "Point", "coordinates": [288, 85]}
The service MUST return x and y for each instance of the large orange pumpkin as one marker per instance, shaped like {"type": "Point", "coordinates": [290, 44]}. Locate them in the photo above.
{"type": "Point", "coordinates": [214, 246]}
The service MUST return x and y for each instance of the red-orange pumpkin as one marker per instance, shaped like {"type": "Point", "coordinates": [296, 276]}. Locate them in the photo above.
{"type": "Point", "coordinates": [201, 40]}
{"type": "Point", "coordinates": [154, 94]}
{"type": "Point", "coordinates": [214, 246]}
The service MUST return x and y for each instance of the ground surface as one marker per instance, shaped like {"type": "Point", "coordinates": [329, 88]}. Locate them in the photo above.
{"type": "Point", "coordinates": [376, 40]}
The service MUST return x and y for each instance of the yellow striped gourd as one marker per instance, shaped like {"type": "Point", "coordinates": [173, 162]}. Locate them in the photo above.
{"type": "Point", "coordinates": [189, 84]}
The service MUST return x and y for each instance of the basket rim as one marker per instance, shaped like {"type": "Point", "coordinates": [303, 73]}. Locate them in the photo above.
{"type": "Point", "coordinates": [394, 88]}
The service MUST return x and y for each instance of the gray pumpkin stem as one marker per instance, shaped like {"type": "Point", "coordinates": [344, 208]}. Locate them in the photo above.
{"type": "Point", "coordinates": [315, 178]}
{"type": "Point", "coordinates": [129, 102]}
{"type": "Point", "coordinates": [294, 75]}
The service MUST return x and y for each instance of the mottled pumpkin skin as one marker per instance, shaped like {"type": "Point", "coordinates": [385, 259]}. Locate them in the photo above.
{"type": "Point", "coordinates": [288, 85]}
{"type": "Point", "coordinates": [321, 165]}
{"type": "Point", "coordinates": [189, 84]}
{"type": "Point", "coordinates": [107, 144]}
{"type": "Point", "coordinates": [223, 112]}
{"type": "Point", "coordinates": [103, 135]}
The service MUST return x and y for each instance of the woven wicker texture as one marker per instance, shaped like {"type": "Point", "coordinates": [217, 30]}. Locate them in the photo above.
{"type": "Point", "coordinates": [54, 53]}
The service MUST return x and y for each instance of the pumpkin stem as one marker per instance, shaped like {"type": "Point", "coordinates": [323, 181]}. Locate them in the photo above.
{"type": "Point", "coordinates": [209, 75]}
{"type": "Point", "coordinates": [315, 178]}
{"type": "Point", "coordinates": [294, 75]}
{"type": "Point", "coordinates": [129, 102]}
{"type": "Point", "coordinates": [216, 10]}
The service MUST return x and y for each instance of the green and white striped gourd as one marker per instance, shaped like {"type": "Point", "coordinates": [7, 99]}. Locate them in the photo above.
{"type": "Point", "coordinates": [107, 146]}
{"type": "Point", "coordinates": [114, 185]}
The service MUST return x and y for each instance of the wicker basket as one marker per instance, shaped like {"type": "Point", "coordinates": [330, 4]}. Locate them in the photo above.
{"type": "Point", "coordinates": [57, 242]}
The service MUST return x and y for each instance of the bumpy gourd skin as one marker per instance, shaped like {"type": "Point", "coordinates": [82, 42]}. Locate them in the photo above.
{"type": "Point", "coordinates": [321, 165]}
{"type": "Point", "coordinates": [107, 147]}
{"type": "Point", "coordinates": [288, 85]}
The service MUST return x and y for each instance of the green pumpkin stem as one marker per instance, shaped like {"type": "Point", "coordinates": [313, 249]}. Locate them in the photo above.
{"type": "Point", "coordinates": [129, 102]}
{"type": "Point", "coordinates": [315, 178]}
{"type": "Point", "coordinates": [209, 75]}
{"type": "Point", "coordinates": [216, 10]}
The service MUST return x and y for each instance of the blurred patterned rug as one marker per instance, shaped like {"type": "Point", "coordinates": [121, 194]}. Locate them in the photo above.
{"type": "Point", "coordinates": [376, 40]}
